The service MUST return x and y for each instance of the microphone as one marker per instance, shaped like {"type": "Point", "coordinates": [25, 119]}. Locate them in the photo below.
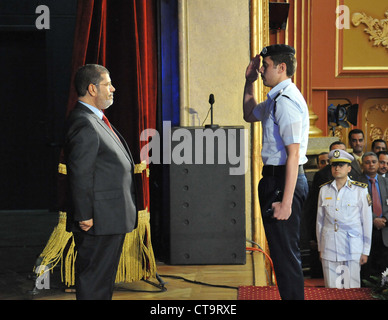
{"type": "Point", "coordinates": [211, 101]}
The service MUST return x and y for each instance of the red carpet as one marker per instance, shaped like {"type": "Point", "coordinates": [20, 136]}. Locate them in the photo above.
{"type": "Point", "coordinates": [311, 293]}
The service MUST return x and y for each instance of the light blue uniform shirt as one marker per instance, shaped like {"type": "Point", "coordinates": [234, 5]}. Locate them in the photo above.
{"type": "Point", "coordinates": [288, 125]}
{"type": "Point", "coordinates": [96, 111]}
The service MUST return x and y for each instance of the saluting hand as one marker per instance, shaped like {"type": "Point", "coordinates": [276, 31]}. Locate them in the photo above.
{"type": "Point", "coordinates": [252, 72]}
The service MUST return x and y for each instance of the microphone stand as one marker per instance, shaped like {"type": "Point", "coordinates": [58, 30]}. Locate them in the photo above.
{"type": "Point", "coordinates": [211, 126]}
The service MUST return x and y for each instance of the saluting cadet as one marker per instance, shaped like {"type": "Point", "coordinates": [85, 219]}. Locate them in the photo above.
{"type": "Point", "coordinates": [344, 225]}
{"type": "Point", "coordinates": [285, 121]}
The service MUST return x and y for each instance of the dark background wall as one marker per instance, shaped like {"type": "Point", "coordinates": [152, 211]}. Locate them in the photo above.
{"type": "Point", "coordinates": [35, 77]}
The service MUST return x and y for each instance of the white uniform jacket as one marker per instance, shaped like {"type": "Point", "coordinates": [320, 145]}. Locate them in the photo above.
{"type": "Point", "coordinates": [344, 221]}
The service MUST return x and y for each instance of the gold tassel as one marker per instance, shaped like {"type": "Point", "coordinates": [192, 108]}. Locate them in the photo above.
{"type": "Point", "coordinates": [69, 261]}
{"type": "Point", "coordinates": [52, 254]}
{"type": "Point", "coordinates": [137, 259]}
{"type": "Point", "coordinates": [140, 167]}
{"type": "Point", "coordinates": [62, 169]}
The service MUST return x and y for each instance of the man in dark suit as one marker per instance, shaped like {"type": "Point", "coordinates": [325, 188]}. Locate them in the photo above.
{"type": "Point", "coordinates": [101, 185]}
{"type": "Point", "coordinates": [383, 163]}
{"type": "Point", "coordinates": [357, 143]}
{"type": "Point", "coordinates": [378, 258]}
{"type": "Point", "coordinates": [378, 145]}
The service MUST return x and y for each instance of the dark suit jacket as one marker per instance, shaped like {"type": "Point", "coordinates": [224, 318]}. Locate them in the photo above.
{"type": "Point", "coordinates": [100, 176]}
{"type": "Point", "coordinates": [356, 167]}
{"type": "Point", "coordinates": [383, 185]}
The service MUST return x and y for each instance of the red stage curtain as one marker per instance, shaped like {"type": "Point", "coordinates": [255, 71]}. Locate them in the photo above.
{"type": "Point", "coordinates": [121, 35]}
{"type": "Point", "coordinates": [89, 39]}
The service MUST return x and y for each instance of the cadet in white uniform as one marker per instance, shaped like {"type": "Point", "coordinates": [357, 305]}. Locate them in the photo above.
{"type": "Point", "coordinates": [344, 225]}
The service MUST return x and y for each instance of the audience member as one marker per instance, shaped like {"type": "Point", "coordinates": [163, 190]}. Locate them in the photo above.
{"type": "Point", "coordinates": [357, 143]}
{"type": "Point", "coordinates": [322, 160]}
{"type": "Point", "coordinates": [383, 163]}
{"type": "Point", "coordinates": [310, 209]}
{"type": "Point", "coordinates": [379, 145]}
{"type": "Point", "coordinates": [378, 258]}
{"type": "Point", "coordinates": [344, 225]}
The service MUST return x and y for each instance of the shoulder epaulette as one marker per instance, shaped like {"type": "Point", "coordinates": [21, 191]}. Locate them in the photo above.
{"type": "Point", "coordinates": [328, 182]}
{"type": "Point", "coordinates": [359, 184]}
{"type": "Point", "coordinates": [281, 95]}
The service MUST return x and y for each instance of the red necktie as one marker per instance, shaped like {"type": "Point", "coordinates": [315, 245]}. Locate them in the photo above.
{"type": "Point", "coordinates": [377, 209]}
{"type": "Point", "coordinates": [105, 119]}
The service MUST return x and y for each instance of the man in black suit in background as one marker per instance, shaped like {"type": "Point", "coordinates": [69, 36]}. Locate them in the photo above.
{"type": "Point", "coordinates": [101, 185]}
{"type": "Point", "coordinates": [378, 257]}
{"type": "Point", "coordinates": [357, 143]}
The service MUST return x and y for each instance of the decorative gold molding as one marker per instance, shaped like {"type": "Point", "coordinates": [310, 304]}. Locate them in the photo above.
{"type": "Point", "coordinates": [377, 29]}
{"type": "Point", "coordinates": [369, 68]}
{"type": "Point", "coordinates": [373, 129]}
{"type": "Point", "coordinates": [259, 39]}
{"type": "Point", "coordinates": [339, 133]}
{"type": "Point", "coordinates": [259, 16]}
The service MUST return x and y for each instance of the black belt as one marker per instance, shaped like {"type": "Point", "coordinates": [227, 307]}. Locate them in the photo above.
{"type": "Point", "coordinates": [278, 171]}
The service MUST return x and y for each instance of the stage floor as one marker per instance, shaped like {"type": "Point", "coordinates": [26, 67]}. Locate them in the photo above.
{"type": "Point", "coordinates": [23, 235]}
{"type": "Point", "coordinates": [214, 282]}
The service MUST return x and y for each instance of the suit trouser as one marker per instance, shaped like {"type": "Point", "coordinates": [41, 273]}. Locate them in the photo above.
{"type": "Point", "coordinates": [96, 265]}
{"type": "Point", "coordinates": [283, 237]}
{"type": "Point", "coordinates": [378, 257]}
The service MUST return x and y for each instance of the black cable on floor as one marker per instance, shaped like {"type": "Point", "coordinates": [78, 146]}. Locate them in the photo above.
{"type": "Point", "coordinates": [160, 285]}
{"type": "Point", "coordinates": [198, 282]}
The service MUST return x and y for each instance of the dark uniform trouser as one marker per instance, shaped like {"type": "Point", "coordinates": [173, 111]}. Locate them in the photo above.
{"type": "Point", "coordinates": [96, 265]}
{"type": "Point", "coordinates": [378, 257]}
{"type": "Point", "coordinates": [283, 236]}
